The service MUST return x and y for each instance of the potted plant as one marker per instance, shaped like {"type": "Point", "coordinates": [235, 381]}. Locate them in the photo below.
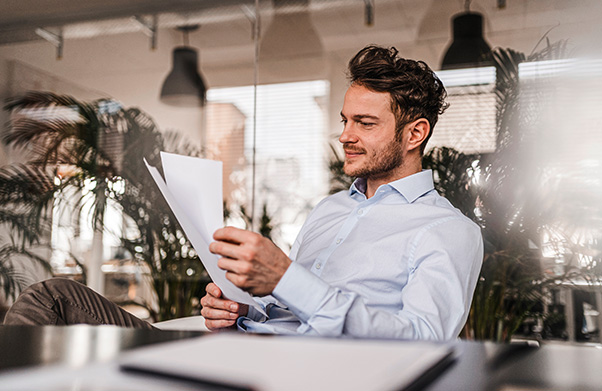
{"type": "Point", "coordinates": [102, 144]}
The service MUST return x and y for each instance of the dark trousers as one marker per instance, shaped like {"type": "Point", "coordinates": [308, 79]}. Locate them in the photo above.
{"type": "Point", "coordinates": [60, 301]}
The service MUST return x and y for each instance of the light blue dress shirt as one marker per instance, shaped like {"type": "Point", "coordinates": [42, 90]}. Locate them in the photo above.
{"type": "Point", "coordinates": [400, 265]}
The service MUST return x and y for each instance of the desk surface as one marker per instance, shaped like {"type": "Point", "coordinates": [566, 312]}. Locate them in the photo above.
{"type": "Point", "coordinates": [29, 357]}
{"type": "Point", "coordinates": [22, 346]}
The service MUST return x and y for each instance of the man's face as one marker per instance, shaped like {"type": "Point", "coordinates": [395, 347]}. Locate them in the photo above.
{"type": "Point", "coordinates": [371, 149]}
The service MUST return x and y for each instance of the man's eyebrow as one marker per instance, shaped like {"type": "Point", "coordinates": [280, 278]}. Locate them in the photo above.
{"type": "Point", "coordinates": [360, 116]}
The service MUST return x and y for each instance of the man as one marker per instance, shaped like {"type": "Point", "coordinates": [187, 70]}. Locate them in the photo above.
{"type": "Point", "coordinates": [389, 258]}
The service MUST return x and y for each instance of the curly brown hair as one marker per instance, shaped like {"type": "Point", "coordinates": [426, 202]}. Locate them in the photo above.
{"type": "Point", "coordinates": [416, 92]}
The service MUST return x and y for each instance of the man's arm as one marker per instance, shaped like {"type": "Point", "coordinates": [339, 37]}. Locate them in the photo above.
{"type": "Point", "coordinates": [252, 262]}
{"type": "Point", "coordinates": [444, 267]}
{"type": "Point", "coordinates": [443, 272]}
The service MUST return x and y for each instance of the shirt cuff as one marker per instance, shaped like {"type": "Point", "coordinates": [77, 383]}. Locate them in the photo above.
{"type": "Point", "coordinates": [255, 315]}
{"type": "Point", "coordinates": [301, 291]}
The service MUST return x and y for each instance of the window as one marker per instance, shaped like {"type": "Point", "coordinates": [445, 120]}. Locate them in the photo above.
{"type": "Point", "coordinates": [469, 123]}
{"type": "Point", "coordinates": [291, 149]}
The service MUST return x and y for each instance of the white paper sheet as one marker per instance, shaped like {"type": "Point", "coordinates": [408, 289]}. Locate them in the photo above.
{"type": "Point", "coordinates": [194, 194]}
{"type": "Point", "coordinates": [196, 183]}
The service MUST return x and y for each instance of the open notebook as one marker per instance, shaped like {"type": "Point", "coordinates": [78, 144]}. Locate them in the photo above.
{"type": "Point", "coordinates": [277, 363]}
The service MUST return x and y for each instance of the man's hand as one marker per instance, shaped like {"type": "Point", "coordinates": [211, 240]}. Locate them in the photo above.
{"type": "Point", "coordinates": [252, 262]}
{"type": "Point", "coordinates": [220, 313]}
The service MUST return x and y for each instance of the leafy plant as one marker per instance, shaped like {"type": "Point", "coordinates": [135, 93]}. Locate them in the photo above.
{"type": "Point", "coordinates": [506, 193]}
{"type": "Point", "coordinates": [101, 145]}
{"type": "Point", "coordinates": [338, 179]}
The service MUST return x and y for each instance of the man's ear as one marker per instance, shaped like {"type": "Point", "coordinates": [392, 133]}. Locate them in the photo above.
{"type": "Point", "coordinates": [418, 132]}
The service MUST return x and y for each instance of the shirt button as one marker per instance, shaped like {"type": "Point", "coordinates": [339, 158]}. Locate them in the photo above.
{"type": "Point", "coordinates": [339, 241]}
{"type": "Point", "coordinates": [318, 265]}
{"type": "Point", "coordinates": [360, 212]}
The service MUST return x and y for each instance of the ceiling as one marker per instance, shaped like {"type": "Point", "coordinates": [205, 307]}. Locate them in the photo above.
{"type": "Point", "coordinates": [106, 53]}
{"type": "Point", "coordinates": [427, 18]}
{"type": "Point", "coordinates": [20, 18]}
{"type": "Point", "coordinates": [418, 28]}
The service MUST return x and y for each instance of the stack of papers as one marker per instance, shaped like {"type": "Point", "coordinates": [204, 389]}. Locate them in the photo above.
{"type": "Point", "coordinates": [193, 190]}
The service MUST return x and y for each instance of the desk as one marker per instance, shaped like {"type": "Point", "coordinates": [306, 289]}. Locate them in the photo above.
{"type": "Point", "coordinates": [74, 346]}
{"type": "Point", "coordinates": [81, 358]}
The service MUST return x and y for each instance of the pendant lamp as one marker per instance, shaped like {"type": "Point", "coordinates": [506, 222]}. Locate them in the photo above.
{"type": "Point", "coordinates": [468, 48]}
{"type": "Point", "coordinates": [184, 86]}
{"type": "Point", "coordinates": [291, 33]}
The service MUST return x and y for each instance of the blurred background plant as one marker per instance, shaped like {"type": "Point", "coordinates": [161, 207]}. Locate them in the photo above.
{"type": "Point", "coordinates": [508, 194]}
{"type": "Point", "coordinates": [80, 157]}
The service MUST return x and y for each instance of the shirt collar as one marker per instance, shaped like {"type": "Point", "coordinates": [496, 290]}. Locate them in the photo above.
{"type": "Point", "coordinates": [410, 187]}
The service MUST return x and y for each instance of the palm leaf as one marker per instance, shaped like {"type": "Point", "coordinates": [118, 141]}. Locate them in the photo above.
{"type": "Point", "coordinates": [24, 183]}
{"type": "Point", "coordinates": [80, 140]}
{"type": "Point", "coordinates": [11, 281]}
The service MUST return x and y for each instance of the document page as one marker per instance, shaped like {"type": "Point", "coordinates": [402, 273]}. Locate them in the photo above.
{"type": "Point", "coordinates": [193, 190]}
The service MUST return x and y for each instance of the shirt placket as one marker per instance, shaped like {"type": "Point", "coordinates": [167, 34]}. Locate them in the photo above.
{"type": "Point", "coordinates": [360, 211]}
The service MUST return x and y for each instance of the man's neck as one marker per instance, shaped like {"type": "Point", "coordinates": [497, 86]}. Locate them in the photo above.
{"type": "Point", "coordinates": [373, 183]}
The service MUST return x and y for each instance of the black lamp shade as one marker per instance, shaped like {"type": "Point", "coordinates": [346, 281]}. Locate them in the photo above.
{"type": "Point", "coordinates": [184, 86]}
{"type": "Point", "coordinates": [468, 48]}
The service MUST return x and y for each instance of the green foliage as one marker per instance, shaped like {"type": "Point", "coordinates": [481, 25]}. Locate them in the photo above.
{"type": "Point", "coordinates": [512, 285]}
{"type": "Point", "coordinates": [265, 223]}
{"type": "Point", "coordinates": [453, 174]}
{"type": "Point", "coordinates": [103, 144]}
{"type": "Point", "coordinates": [338, 179]}
{"type": "Point", "coordinates": [505, 193]}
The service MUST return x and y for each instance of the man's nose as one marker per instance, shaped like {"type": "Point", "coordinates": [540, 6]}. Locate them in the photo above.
{"type": "Point", "coordinates": [348, 135]}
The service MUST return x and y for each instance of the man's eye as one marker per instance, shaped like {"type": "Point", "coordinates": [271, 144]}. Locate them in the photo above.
{"type": "Point", "coordinates": [343, 121]}
{"type": "Point", "coordinates": [367, 124]}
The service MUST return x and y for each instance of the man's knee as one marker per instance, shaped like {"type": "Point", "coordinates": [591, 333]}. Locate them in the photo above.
{"type": "Point", "coordinates": [40, 303]}
{"type": "Point", "coordinates": [47, 291]}
{"type": "Point", "coordinates": [57, 285]}
{"type": "Point", "coordinates": [32, 303]}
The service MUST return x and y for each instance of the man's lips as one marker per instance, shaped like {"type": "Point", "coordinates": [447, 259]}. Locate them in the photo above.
{"type": "Point", "coordinates": [350, 153]}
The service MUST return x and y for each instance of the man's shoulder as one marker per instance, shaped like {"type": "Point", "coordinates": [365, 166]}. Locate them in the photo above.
{"type": "Point", "coordinates": [441, 211]}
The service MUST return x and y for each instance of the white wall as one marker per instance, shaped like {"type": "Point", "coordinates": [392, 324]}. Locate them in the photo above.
{"type": "Point", "coordinates": [117, 66]}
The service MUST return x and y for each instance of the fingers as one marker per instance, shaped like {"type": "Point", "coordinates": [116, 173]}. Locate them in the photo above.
{"type": "Point", "coordinates": [213, 290]}
{"type": "Point", "coordinates": [209, 301]}
{"type": "Point", "coordinates": [218, 313]}
{"type": "Point", "coordinates": [217, 319]}
{"type": "Point", "coordinates": [225, 249]}
{"type": "Point", "coordinates": [235, 235]}
{"type": "Point", "coordinates": [237, 244]}
{"type": "Point", "coordinates": [218, 324]}
{"type": "Point", "coordinates": [235, 266]}
{"type": "Point", "coordinates": [251, 261]}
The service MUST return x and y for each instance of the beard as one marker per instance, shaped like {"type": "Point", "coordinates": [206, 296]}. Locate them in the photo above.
{"type": "Point", "coordinates": [376, 163]}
